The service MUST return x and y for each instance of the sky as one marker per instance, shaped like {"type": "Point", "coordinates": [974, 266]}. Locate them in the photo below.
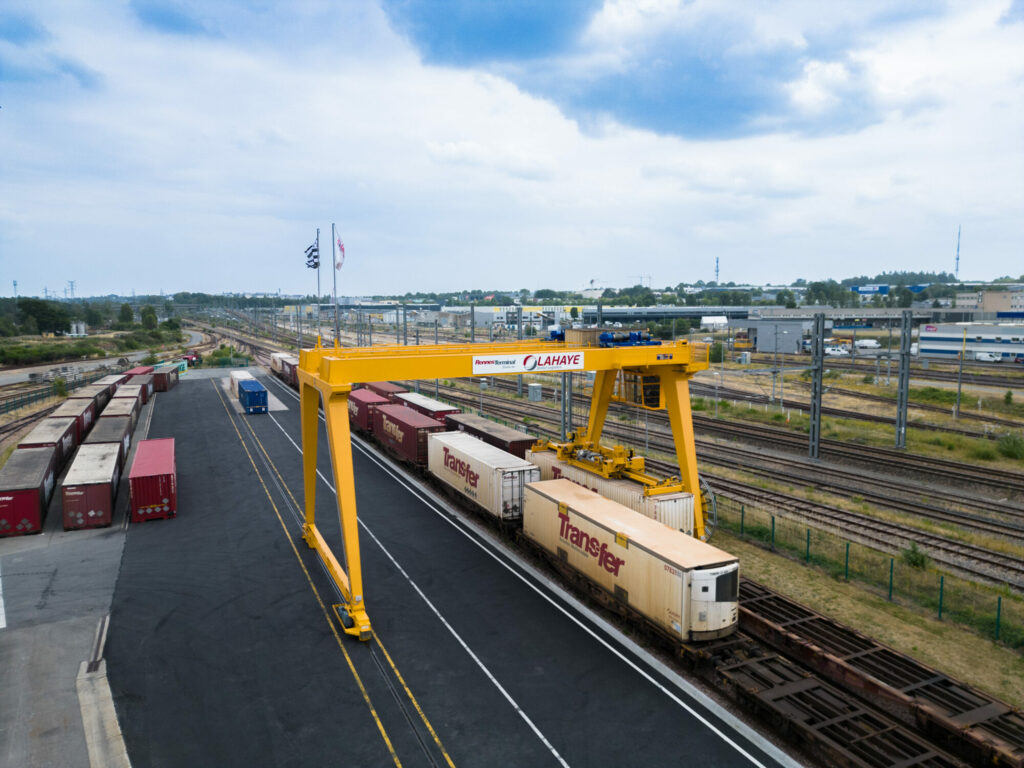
{"type": "Point", "coordinates": [196, 145]}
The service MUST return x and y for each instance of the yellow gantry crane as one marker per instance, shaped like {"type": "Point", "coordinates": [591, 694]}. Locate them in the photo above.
{"type": "Point", "coordinates": [327, 375]}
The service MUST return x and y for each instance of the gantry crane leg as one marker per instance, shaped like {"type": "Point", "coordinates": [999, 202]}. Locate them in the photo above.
{"type": "Point", "coordinates": [675, 385]}
{"type": "Point", "coordinates": [604, 384]}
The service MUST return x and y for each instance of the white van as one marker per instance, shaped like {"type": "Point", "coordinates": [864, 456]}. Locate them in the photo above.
{"type": "Point", "coordinates": [988, 357]}
{"type": "Point", "coordinates": [868, 344]}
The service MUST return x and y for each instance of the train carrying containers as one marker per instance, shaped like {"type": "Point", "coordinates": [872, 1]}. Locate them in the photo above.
{"type": "Point", "coordinates": [686, 587]}
{"type": "Point", "coordinates": [492, 478]}
{"type": "Point", "coordinates": [253, 396]}
{"type": "Point", "coordinates": [672, 509]}
{"type": "Point", "coordinates": [114, 429]}
{"type": "Point", "coordinates": [121, 406]}
{"type": "Point", "coordinates": [145, 382]}
{"type": "Point", "coordinates": [361, 404]}
{"type": "Point", "coordinates": [60, 434]}
{"type": "Point", "coordinates": [289, 370]}
{"type": "Point", "coordinates": [153, 481]}
{"type": "Point", "coordinates": [386, 389]}
{"type": "Point", "coordinates": [435, 409]}
{"type": "Point", "coordinates": [89, 491]}
{"type": "Point", "coordinates": [512, 440]}
{"type": "Point", "coordinates": [141, 370]}
{"type": "Point", "coordinates": [26, 484]}
{"type": "Point", "coordinates": [404, 431]}
{"type": "Point", "coordinates": [100, 394]}
{"type": "Point", "coordinates": [82, 411]}
{"type": "Point", "coordinates": [165, 377]}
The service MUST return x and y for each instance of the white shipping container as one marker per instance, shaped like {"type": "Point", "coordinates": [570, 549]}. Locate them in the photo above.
{"type": "Point", "coordinates": [687, 587]}
{"type": "Point", "coordinates": [672, 509]}
{"type": "Point", "coordinates": [237, 376]}
{"type": "Point", "coordinates": [276, 360]}
{"type": "Point", "coordinates": [489, 476]}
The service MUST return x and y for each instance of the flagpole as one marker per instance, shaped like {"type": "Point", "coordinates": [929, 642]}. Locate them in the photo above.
{"type": "Point", "coordinates": [319, 328]}
{"type": "Point", "coordinates": [334, 272]}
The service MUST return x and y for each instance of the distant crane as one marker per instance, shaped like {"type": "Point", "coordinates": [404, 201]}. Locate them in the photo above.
{"type": "Point", "coordinates": [956, 269]}
{"type": "Point", "coordinates": [71, 285]}
{"type": "Point", "coordinates": [642, 279]}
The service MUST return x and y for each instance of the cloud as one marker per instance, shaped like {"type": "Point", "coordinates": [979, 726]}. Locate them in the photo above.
{"type": "Point", "coordinates": [167, 16]}
{"type": "Point", "coordinates": [21, 29]}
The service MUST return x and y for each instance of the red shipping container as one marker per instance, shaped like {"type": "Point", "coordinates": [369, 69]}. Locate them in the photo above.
{"type": "Point", "coordinates": [26, 484]}
{"type": "Point", "coordinates": [59, 434]}
{"type": "Point", "coordinates": [404, 431]}
{"type": "Point", "coordinates": [114, 429]}
{"type": "Point", "coordinates": [153, 481]}
{"type": "Point", "coordinates": [141, 370]}
{"type": "Point", "coordinates": [121, 406]}
{"type": "Point", "coordinates": [82, 411]}
{"type": "Point", "coordinates": [112, 382]}
{"type": "Point", "coordinates": [510, 440]}
{"type": "Point", "coordinates": [145, 381]}
{"type": "Point", "coordinates": [129, 392]}
{"type": "Point", "coordinates": [165, 377]}
{"type": "Point", "coordinates": [89, 491]}
{"type": "Point", "coordinates": [361, 404]}
{"type": "Point", "coordinates": [385, 389]}
{"type": "Point", "coordinates": [428, 406]}
{"type": "Point", "coordinates": [100, 393]}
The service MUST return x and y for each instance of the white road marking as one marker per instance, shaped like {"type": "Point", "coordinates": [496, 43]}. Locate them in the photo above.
{"type": "Point", "coordinates": [777, 755]}
{"type": "Point", "coordinates": [3, 614]}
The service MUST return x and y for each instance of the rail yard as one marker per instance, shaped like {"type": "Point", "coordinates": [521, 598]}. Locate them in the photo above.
{"type": "Point", "coordinates": [486, 635]}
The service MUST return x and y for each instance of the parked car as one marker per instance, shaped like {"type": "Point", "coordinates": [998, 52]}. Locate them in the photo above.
{"type": "Point", "coordinates": [835, 352]}
{"type": "Point", "coordinates": [1019, 359]}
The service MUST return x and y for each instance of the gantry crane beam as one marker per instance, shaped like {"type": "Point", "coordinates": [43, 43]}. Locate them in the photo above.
{"type": "Point", "coordinates": [327, 374]}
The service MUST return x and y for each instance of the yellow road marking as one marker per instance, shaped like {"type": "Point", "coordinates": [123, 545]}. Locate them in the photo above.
{"type": "Point", "coordinates": [312, 586]}
{"type": "Point", "coordinates": [398, 675]}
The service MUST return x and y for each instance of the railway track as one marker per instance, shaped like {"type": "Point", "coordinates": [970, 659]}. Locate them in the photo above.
{"type": "Point", "coordinates": [20, 423]}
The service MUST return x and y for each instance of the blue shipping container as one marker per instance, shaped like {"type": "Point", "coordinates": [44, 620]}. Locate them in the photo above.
{"type": "Point", "coordinates": [253, 396]}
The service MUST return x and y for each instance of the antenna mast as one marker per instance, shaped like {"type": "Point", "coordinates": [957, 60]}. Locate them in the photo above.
{"type": "Point", "coordinates": [716, 270]}
{"type": "Point", "coordinates": [956, 269]}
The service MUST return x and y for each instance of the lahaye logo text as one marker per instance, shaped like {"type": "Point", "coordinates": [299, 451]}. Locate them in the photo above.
{"type": "Point", "coordinates": [589, 545]}
{"type": "Point", "coordinates": [529, 363]}
{"type": "Point", "coordinates": [392, 429]}
{"type": "Point", "coordinates": [461, 468]}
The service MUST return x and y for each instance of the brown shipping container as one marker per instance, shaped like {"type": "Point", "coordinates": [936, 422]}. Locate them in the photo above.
{"type": "Point", "coordinates": [99, 393]}
{"type": "Point", "coordinates": [82, 411]}
{"type": "Point", "coordinates": [114, 429]}
{"type": "Point", "coordinates": [129, 392]}
{"type": "Point", "coordinates": [121, 406]}
{"type": "Point", "coordinates": [386, 389]}
{"type": "Point", "coordinates": [145, 381]}
{"type": "Point", "coordinates": [141, 370]}
{"type": "Point", "coordinates": [512, 440]}
{"type": "Point", "coordinates": [435, 409]}
{"type": "Point", "coordinates": [404, 431]}
{"type": "Point", "coordinates": [361, 404]}
{"type": "Point", "coordinates": [26, 484]}
{"type": "Point", "coordinates": [153, 481]}
{"type": "Point", "coordinates": [113, 382]}
{"type": "Point", "coordinates": [60, 434]}
{"type": "Point", "coordinates": [165, 377]}
{"type": "Point", "coordinates": [89, 491]}
{"type": "Point", "coordinates": [686, 587]}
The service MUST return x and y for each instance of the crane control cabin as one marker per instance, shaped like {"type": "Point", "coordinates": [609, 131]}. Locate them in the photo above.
{"type": "Point", "coordinates": [326, 375]}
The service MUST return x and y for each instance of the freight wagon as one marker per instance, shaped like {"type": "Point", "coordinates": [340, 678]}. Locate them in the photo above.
{"type": "Point", "coordinates": [404, 432]}
{"type": "Point", "coordinates": [153, 481]}
{"type": "Point", "coordinates": [115, 429]}
{"type": "Point", "coordinates": [386, 389]}
{"type": "Point", "coordinates": [145, 382]}
{"type": "Point", "coordinates": [26, 485]}
{"type": "Point", "coordinates": [672, 509]}
{"type": "Point", "coordinates": [511, 440]}
{"type": "Point", "coordinates": [284, 366]}
{"type": "Point", "coordinates": [58, 434]}
{"type": "Point", "coordinates": [121, 406]}
{"type": "Point", "coordinates": [82, 411]}
{"type": "Point", "coordinates": [165, 377]}
{"type": "Point", "coordinates": [253, 396]}
{"type": "Point", "coordinates": [98, 394]}
{"type": "Point", "coordinates": [361, 405]}
{"type": "Point", "coordinates": [89, 490]}
{"type": "Point", "coordinates": [489, 477]}
{"type": "Point", "coordinates": [130, 392]}
{"type": "Point", "coordinates": [435, 409]}
{"type": "Point", "coordinates": [113, 381]}
{"type": "Point", "coordinates": [686, 589]}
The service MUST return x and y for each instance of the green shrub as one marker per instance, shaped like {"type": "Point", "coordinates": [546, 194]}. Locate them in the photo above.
{"type": "Point", "coordinates": [60, 387]}
{"type": "Point", "coordinates": [868, 379]}
{"type": "Point", "coordinates": [914, 557]}
{"type": "Point", "coordinates": [1008, 397]}
{"type": "Point", "coordinates": [1011, 446]}
{"type": "Point", "coordinates": [982, 453]}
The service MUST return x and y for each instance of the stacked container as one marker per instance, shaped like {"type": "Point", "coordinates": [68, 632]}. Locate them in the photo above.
{"type": "Point", "coordinates": [515, 442]}
{"type": "Point", "coordinates": [672, 509]}
{"type": "Point", "coordinates": [253, 396]}
{"type": "Point", "coordinates": [82, 411]}
{"type": "Point", "coordinates": [114, 429]}
{"type": "Point", "coordinates": [385, 389]}
{"type": "Point", "coordinates": [89, 491]}
{"type": "Point", "coordinates": [686, 587]}
{"type": "Point", "coordinates": [121, 406]}
{"type": "Point", "coordinates": [153, 481]}
{"type": "Point", "coordinates": [361, 404]}
{"type": "Point", "coordinates": [59, 434]}
{"type": "Point", "coordinates": [488, 476]}
{"type": "Point", "coordinates": [26, 484]}
{"type": "Point", "coordinates": [404, 431]}
{"type": "Point", "coordinates": [435, 409]}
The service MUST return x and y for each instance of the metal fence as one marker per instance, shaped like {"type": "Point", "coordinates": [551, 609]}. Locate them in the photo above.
{"type": "Point", "coordinates": [908, 577]}
{"type": "Point", "coordinates": [20, 400]}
